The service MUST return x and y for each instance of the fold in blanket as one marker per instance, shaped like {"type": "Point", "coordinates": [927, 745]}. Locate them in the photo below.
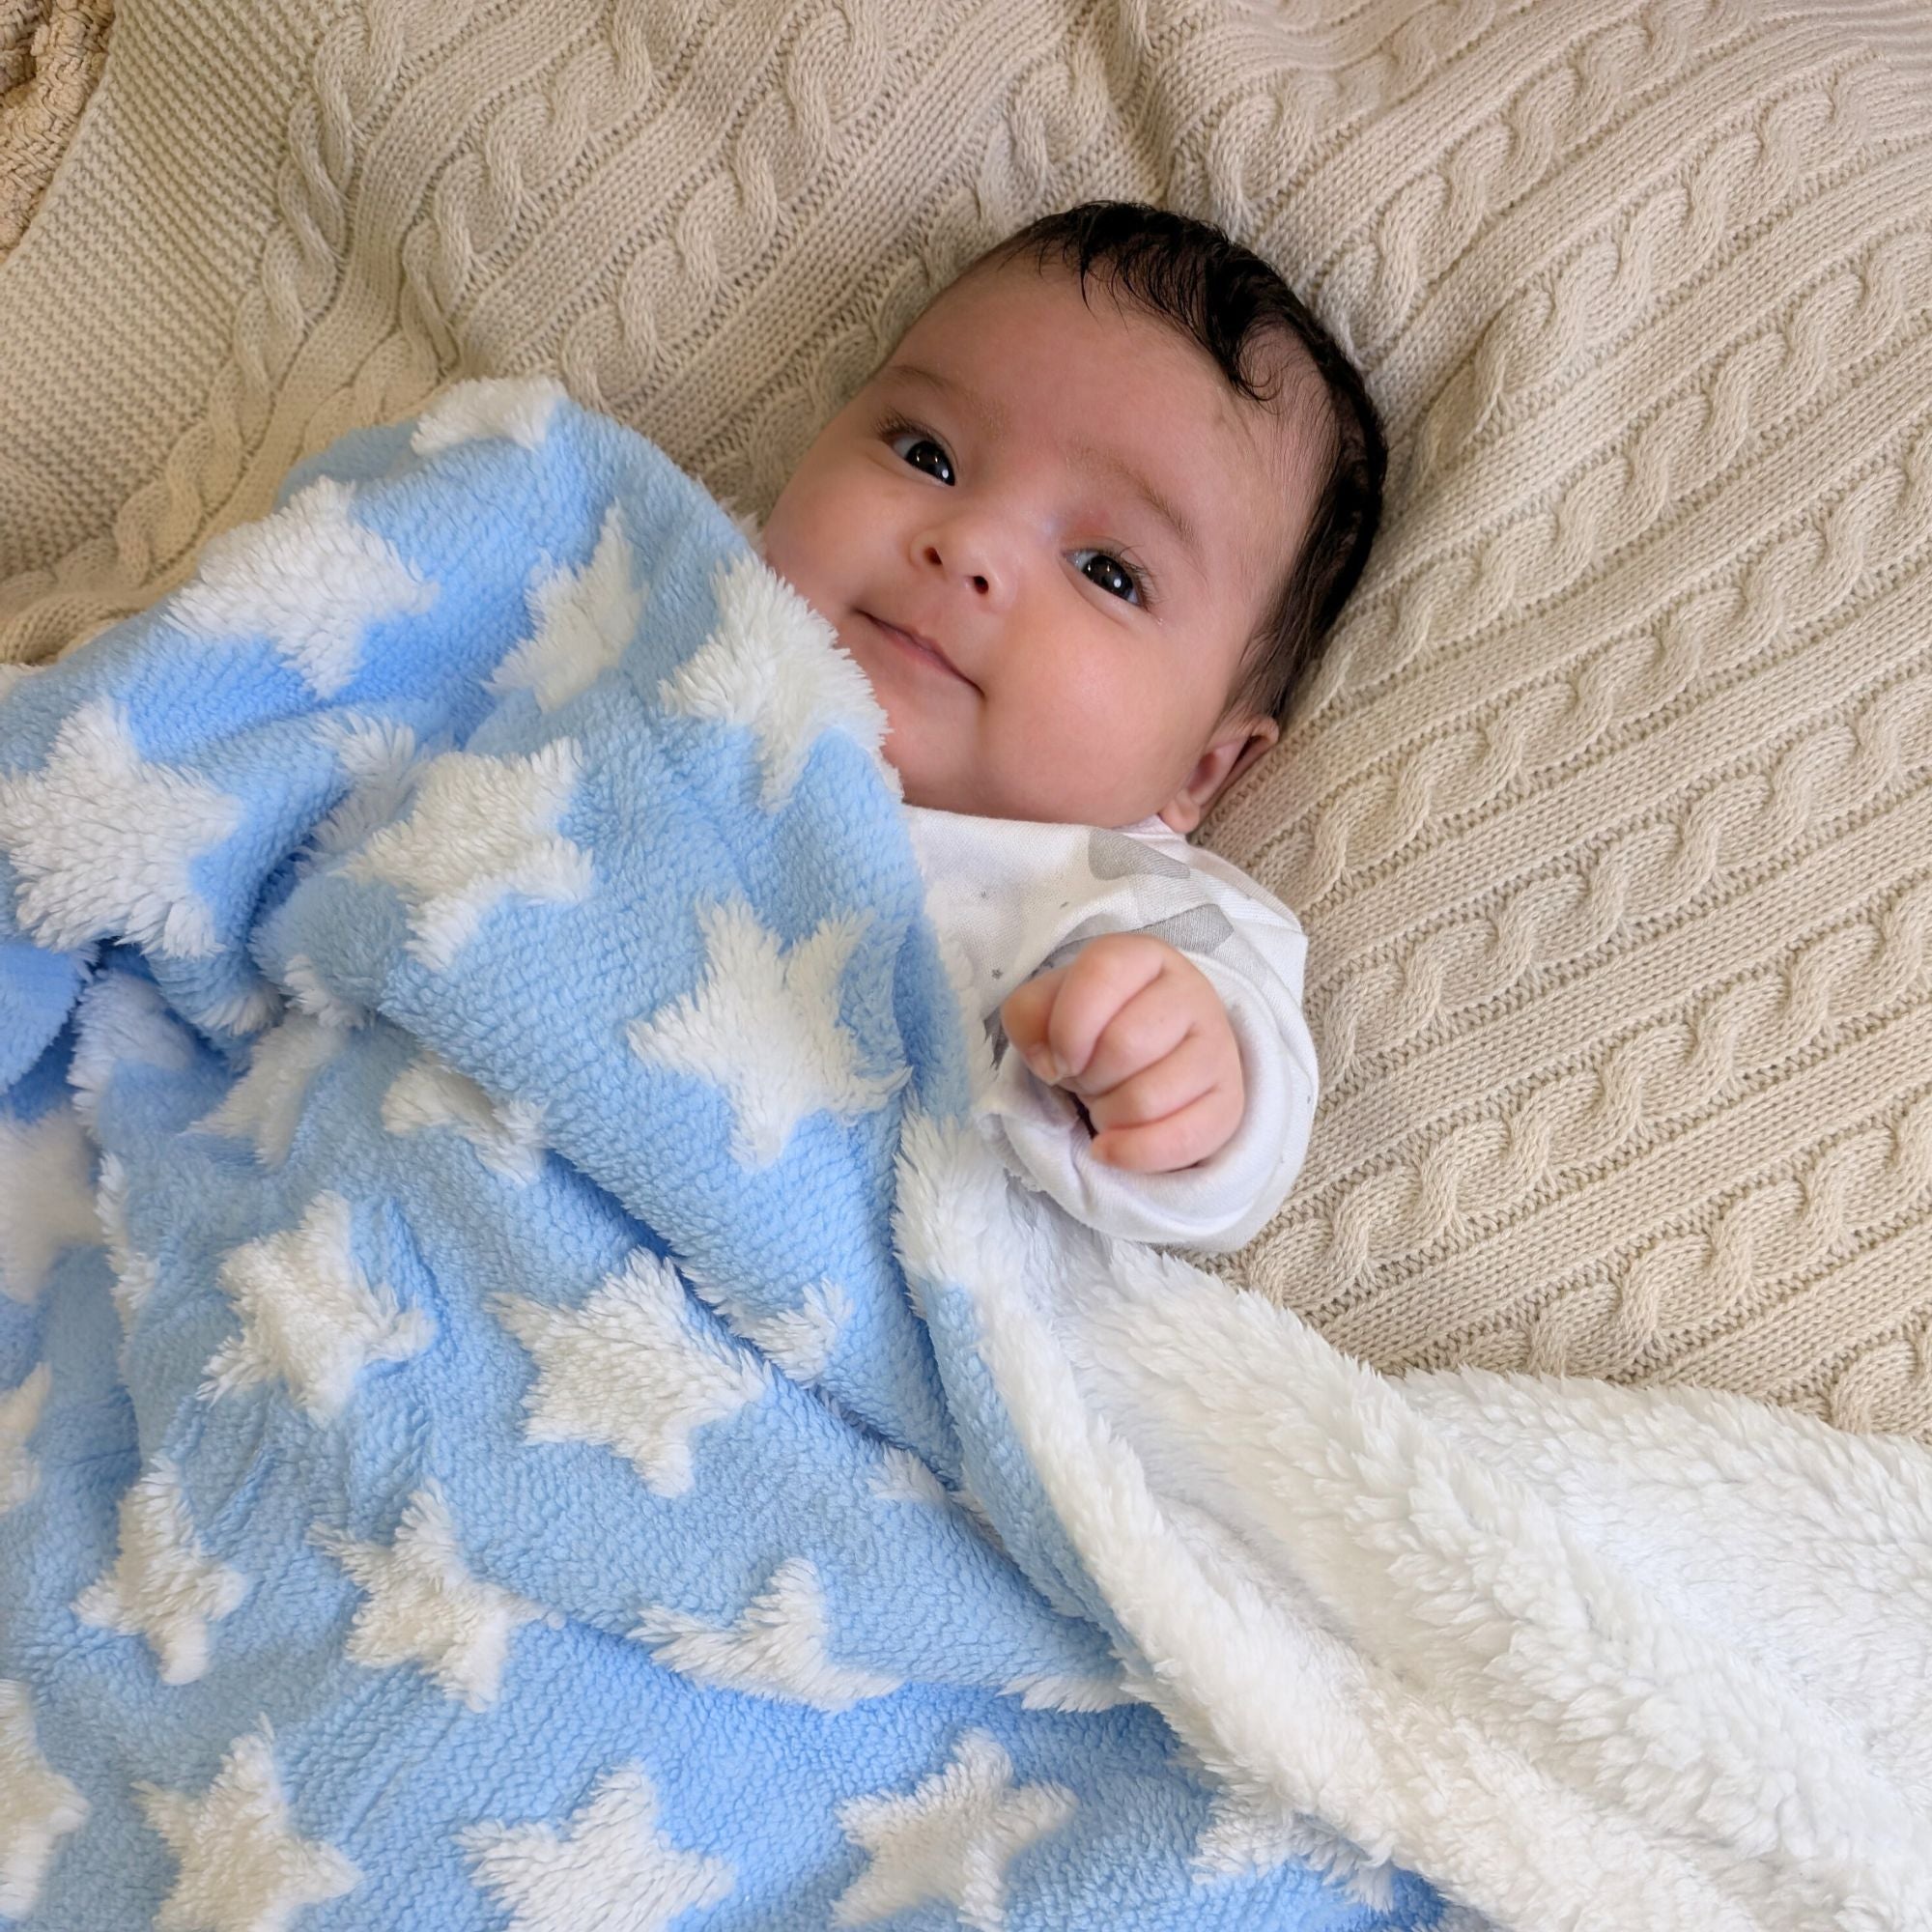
{"type": "Point", "coordinates": [525, 1402]}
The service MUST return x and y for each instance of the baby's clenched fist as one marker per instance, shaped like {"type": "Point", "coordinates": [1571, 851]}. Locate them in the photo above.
{"type": "Point", "coordinates": [1138, 1034]}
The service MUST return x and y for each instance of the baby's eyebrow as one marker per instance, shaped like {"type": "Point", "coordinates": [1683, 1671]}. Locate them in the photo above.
{"type": "Point", "coordinates": [1148, 491]}
{"type": "Point", "coordinates": [988, 411]}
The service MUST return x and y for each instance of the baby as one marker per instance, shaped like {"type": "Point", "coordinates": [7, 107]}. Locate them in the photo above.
{"type": "Point", "coordinates": [1084, 529]}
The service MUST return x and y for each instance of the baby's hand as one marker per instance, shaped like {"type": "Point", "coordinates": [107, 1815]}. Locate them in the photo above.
{"type": "Point", "coordinates": [1138, 1033]}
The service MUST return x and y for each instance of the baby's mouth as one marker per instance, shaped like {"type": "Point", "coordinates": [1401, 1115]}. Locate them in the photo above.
{"type": "Point", "coordinates": [918, 646]}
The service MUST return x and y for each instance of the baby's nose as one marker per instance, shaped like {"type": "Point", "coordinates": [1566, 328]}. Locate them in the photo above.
{"type": "Point", "coordinates": [976, 576]}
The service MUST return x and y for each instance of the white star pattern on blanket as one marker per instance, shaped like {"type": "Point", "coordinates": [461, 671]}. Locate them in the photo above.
{"type": "Point", "coordinates": [775, 1649]}
{"type": "Point", "coordinates": [105, 843]}
{"type": "Point", "coordinates": [309, 1317]}
{"type": "Point", "coordinates": [773, 666]}
{"type": "Point", "coordinates": [763, 1025]}
{"type": "Point", "coordinates": [584, 619]}
{"type": "Point", "coordinates": [423, 1607]}
{"type": "Point", "coordinates": [133, 1272]}
{"type": "Point", "coordinates": [267, 1102]}
{"type": "Point", "coordinates": [247, 1009]}
{"type": "Point", "coordinates": [481, 828]}
{"type": "Point", "coordinates": [900, 1477]}
{"type": "Point", "coordinates": [310, 579]}
{"type": "Point", "coordinates": [612, 1872]}
{"type": "Point", "coordinates": [950, 1840]}
{"type": "Point", "coordinates": [163, 1586]}
{"type": "Point", "coordinates": [311, 996]}
{"type": "Point", "coordinates": [799, 1340]}
{"type": "Point", "coordinates": [19, 1416]}
{"type": "Point", "coordinates": [516, 407]}
{"type": "Point", "coordinates": [430, 1092]}
{"type": "Point", "coordinates": [122, 1021]}
{"type": "Point", "coordinates": [243, 1868]}
{"type": "Point", "coordinates": [38, 1806]}
{"type": "Point", "coordinates": [380, 758]}
{"type": "Point", "coordinates": [630, 1370]}
{"type": "Point", "coordinates": [46, 1201]}
{"type": "Point", "coordinates": [1062, 1691]}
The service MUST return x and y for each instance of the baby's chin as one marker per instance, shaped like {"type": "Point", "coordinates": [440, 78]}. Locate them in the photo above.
{"type": "Point", "coordinates": [938, 790]}
{"type": "Point", "coordinates": [939, 778]}
{"type": "Point", "coordinates": [916, 789]}
{"type": "Point", "coordinates": [926, 778]}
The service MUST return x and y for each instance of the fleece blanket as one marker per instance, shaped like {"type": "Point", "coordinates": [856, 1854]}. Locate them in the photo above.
{"type": "Point", "coordinates": [524, 1401]}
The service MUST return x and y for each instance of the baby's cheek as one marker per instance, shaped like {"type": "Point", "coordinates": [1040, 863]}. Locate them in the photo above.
{"type": "Point", "coordinates": [802, 532]}
{"type": "Point", "coordinates": [779, 548]}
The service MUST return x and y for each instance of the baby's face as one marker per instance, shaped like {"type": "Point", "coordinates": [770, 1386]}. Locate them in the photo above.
{"type": "Point", "coordinates": [1046, 531]}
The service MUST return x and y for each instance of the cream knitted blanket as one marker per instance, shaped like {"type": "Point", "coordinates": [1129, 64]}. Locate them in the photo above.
{"type": "Point", "coordinates": [1609, 819]}
{"type": "Point", "coordinates": [51, 54]}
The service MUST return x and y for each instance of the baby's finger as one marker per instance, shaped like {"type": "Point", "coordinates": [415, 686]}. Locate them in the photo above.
{"type": "Point", "coordinates": [1203, 1127]}
{"type": "Point", "coordinates": [1177, 1079]}
{"type": "Point", "coordinates": [1104, 977]}
{"type": "Point", "coordinates": [1024, 1015]}
{"type": "Point", "coordinates": [1145, 1032]}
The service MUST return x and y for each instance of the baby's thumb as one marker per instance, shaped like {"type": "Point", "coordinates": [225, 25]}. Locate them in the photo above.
{"type": "Point", "coordinates": [1025, 1015]}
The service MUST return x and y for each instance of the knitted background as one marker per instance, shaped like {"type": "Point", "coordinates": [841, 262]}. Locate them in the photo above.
{"type": "Point", "coordinates": [51, 54]}
{"type": "Point", "coordinates": [1609, 816]}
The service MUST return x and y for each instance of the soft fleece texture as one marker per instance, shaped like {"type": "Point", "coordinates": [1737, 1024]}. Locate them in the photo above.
{"type": "Point", "coordinates": [495, 743]}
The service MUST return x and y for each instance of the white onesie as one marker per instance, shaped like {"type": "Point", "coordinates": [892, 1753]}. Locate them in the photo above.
{"type": "Point", "coordinates": [1016, 897]}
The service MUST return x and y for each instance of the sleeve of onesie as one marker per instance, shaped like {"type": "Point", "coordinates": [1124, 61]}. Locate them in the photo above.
{"type": "Point", "coordinates": [1221, 1202]}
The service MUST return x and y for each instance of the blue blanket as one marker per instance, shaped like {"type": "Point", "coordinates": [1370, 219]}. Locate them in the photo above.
{"type": "Point", "coordinates": [479, 1446]}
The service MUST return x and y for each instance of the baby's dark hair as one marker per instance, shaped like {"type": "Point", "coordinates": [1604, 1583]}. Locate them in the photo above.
{"type": "Point", "coordinates": [1228, 300]}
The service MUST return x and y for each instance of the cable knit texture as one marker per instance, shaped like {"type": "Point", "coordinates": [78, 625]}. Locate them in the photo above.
{"type": "Point", "coordinates": [1609, 815]}
{"type": "Point", "coordinates": [51, 54]}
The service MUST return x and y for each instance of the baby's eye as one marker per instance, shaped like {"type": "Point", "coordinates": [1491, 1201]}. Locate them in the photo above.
{"type": "Point", "coordinates": [923, 453]}
{"type": "Point", "coordinates": [1109, 573]}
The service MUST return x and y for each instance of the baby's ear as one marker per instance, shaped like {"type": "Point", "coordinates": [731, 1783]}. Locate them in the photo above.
{"type": "Point", "coordinates": [1237, 742]}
